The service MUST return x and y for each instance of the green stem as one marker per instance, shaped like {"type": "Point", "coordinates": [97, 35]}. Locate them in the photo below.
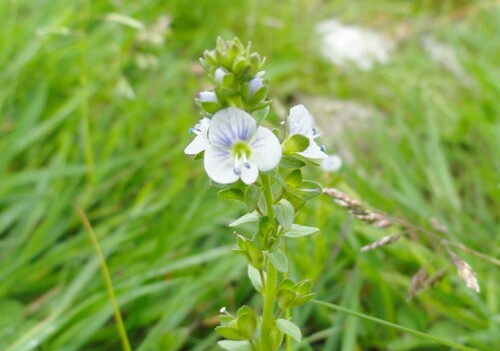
{"type": "Point", "coordinates": [265, 344]}
{"type": "Point", "coordinates": [267, 315]}
{"type": "Point", "coordinates": [288, 338]}
{"type": "Point", "coordinates": [107, 280]}
{"type": "Point", "coordinates": [268, 195]}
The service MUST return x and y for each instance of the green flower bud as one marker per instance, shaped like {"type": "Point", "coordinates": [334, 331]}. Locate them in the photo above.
{"type": "Point", "coordinates": [275, 337]}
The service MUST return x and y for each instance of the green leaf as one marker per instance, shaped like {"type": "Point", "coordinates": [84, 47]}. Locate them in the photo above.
{"type": "Point", "coordinates": [244, 310]}
{"type": "Point", "coordinates": [261, 114]}
{"type": "Point", "coordinates": [295, 143]}
{"type": "Point", "coordinates": [232, 194]}
{"type": "Point", "coordinates": [294, 179]}
{"type": "Point", "coordinates": [231, 345]}
{"type": "Point", "coordinates": [239, 65]}
{"type": "Point", "coordinates": [247, 323]}
{"type": "Point", "coordinates": [255, 255]}
{"type": "Point", "coordinates": [297, 231]}
{"type": "Point", "coordinates": [225, 319]}
{"type": "Point", "coordinates": [252, 195]}
{"type": "Point", "coordinates": [308, 189]}
{"type": "Point", "coordinates": [275, 337]}
{"type": "Point", "coordinates": [302, 299]}
{"type": "Point", "coordinates": [265, 238]}
{"type": "Point", "coordinates": [199, 155]}
{"type": "Point", "coordinates": [279, 261]}
{"type": "Point", "coordinates": [304, 287]}
{"type": "Point", "coordinates": [285, 297]}
{"type": "Point", "coordinates": [210, 106]}
{"type": "Point", "coordinates": [291, 162]}
{"type": "Point", "coordinates": [284, 213]}
{"type": "Point", "coordinates": [254, 276]}
{"type": "Point", "coordinates": [248, 218]}
{"type": "Point", "coordinates": [289, 328]}
{"type": "Point", "coordinates": [230, 333]}
{"type": "Point", "coordinates": [296, 201]}
{"type": "Point", "coordinates": [287, 284]}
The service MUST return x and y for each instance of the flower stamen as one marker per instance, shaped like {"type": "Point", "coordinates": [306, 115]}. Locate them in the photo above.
{"type": "Point", "coordinates": [237, 165]}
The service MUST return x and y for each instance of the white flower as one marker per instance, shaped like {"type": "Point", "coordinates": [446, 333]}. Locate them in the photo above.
{"type": "Point", "coordinates": [219, 74]}
{"type": "Point", "coordinates": [199, 143]}
{"type": "Point", "coordinates": [331, 163]}
{"type": "Point", "coordinates": [208, 96]}
{"type": "Point", "coordinates": [238, 148]}
{"type": "Point", "coordinates": [300, 122]}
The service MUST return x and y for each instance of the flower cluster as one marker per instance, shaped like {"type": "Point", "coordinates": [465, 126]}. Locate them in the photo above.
{"type": "Point", "coordinates": [236, 146]}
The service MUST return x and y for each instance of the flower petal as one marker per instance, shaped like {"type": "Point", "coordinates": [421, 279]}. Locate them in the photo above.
{"type": "Point", "coordinates": [199, 144]}
{"type": "Point", "coordinates": [230, 125]}
{"type": "Point", "coordinates": [219, 165]}
{"type": "Point", "coordinates": [313, 151]}
{"type": "Point", "coordinates": [266, 149]}
{"type": "Point", "coordinates": [300, 121]}
{"type": "Point", "coordinates": [249, 174]}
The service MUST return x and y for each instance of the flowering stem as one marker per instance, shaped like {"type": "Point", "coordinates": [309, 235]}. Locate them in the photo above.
{"type": "Point", "coordinates": [288, 338]}
{"type": "Point", "coordinates": [268, 195]}
{"type": "Point", "coordinates": [267, 316]}
{"type": "Point", "coordinates": [265, 344]}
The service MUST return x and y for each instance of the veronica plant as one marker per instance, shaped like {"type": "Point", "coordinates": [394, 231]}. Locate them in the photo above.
{"type": "Point", "coordinates": [254, 166]}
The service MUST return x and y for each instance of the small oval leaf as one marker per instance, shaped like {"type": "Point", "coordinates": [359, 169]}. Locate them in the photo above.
{"type": "Point", "coordinates": [284, 213]}
{"type": "Point", "coordinates": [279, 261]}
{"type": "Point", "coordinates": [289, 328]}
{"type": "Point", "coordinates": [297, 231]}
{"type": "Point", "coordinates": [248, 218]}
{"type": "Point", "coordinates": [231, 345]}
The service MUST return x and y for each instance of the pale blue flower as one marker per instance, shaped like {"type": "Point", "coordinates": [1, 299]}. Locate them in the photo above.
{"type": "Point", "coordinates": [238, 148]}
{"type": "Point", "coordinates": [208, 96]}
{"type": "Point", "coordinates": [300, 122]}
{"type": "Point", "coordinates": [199, 143]}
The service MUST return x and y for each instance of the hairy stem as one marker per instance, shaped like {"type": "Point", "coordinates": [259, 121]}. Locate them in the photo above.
{"type": "Point", "coordinates": [267, 316]}
{"type": "Point", "coordinates": [265, 344]}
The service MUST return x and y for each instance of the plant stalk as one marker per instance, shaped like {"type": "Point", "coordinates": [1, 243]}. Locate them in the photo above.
{"type": "Point", "coordinates": [265, 344]}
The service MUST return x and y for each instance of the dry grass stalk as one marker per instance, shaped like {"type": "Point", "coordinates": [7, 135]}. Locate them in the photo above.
{"type": "Point", "coordinates": [465, 271]}
{"type": "Point", "coordinates": [357, 210]}
{"type": "Point", "coordinates": [422, 281]}
{"type": "Point", "coordinates": [376, 218]}
{"type": "Point", "coordinates": [386, 240]}
{"type": "Point", "coordinates": [418, 282]}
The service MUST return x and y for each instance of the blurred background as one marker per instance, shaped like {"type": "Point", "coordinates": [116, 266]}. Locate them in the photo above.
{"type": "Point", "coordinates": [96, 100]}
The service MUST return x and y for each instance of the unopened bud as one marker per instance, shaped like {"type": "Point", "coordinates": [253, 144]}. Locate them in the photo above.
{"type": "Point", "coordinates": [255, 84]}
{"type": "Point", "coordinates": [219, 74]}
{"type": "Point", "coordinates": [208, 96]}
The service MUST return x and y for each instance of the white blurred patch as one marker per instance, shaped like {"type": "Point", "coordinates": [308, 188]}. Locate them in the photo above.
{"type": "Point", "coordinates": [344, 45]}
{"type": "Point", "coordinates": [124, 89]}
{"type": "Point", "coordinates": [444, 55]}
{"type": "Point", "coordinates": [336, 118]}
{"type": "Point", "coordinates": [155, 34]}
{"type": "Point", "coordinates": [331, 163]}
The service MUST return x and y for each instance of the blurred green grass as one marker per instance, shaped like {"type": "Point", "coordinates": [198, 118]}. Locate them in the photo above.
{"type": "Point", "coordinates": [84, 122]}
